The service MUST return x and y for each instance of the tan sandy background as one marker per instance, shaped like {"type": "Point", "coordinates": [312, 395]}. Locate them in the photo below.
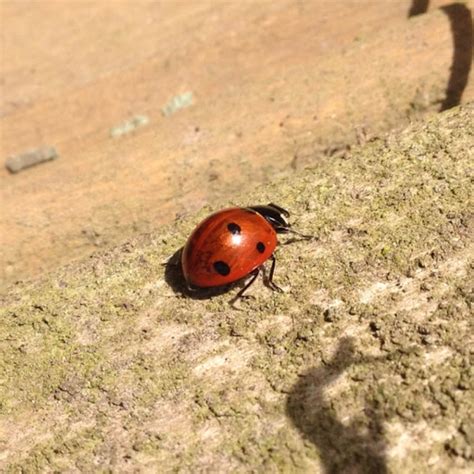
{"type": "Point", "coordinates": [275, 86]}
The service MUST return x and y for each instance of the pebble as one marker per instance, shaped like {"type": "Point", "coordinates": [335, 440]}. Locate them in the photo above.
{"type": "Point", "coordinates": [18, 163]}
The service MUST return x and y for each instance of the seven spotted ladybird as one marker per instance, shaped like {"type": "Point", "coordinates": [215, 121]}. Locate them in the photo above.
{"type": "Point", "coordinates": [232, 244]}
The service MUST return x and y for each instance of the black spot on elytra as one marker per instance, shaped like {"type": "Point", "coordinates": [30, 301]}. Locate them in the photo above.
{"type": "Point", "coordinates": [234, 228]}
{"type": "Point", "coordinates": [222, 268]}
{"type": "Point", "coordinates": [261, 247]}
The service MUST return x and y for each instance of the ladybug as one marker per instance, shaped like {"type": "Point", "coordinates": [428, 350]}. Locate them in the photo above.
{"type": "Point", "coordinates": [232, 244]}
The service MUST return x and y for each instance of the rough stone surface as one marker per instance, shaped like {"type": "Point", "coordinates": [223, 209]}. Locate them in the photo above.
{"type": "Point", "coordinates": [364, 364]}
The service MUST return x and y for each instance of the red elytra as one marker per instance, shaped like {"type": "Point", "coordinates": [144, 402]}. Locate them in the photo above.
{"type": "Point", "coordinates": [232, 244]}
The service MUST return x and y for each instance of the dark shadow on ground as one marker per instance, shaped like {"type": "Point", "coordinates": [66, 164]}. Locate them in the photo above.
{"type": "Point", "coordinates": [418, 7]}
{"type": "Point", "coordinates": [343, 448]}
{"type": "Point", "coordinates": [460, 18]}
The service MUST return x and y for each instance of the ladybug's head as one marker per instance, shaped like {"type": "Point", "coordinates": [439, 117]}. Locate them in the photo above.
{"type": "Point", "coordinates": [275, 215]}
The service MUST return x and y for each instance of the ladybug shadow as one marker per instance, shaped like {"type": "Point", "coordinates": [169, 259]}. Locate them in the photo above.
{"type": "Point", "coordinates": [174, 277]}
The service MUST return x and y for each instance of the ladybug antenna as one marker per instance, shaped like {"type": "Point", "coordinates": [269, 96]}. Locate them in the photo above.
{"type": "Point", "coordinates": [287, 229]}
{"type": "Point", "coordinates": [292, 231]}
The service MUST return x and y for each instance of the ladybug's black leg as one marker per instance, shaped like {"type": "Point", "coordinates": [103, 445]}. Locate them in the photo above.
{"type": "Point", "coordinates": [240, 294]}
{"type": "Point", "coordinates": [273, 285]}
